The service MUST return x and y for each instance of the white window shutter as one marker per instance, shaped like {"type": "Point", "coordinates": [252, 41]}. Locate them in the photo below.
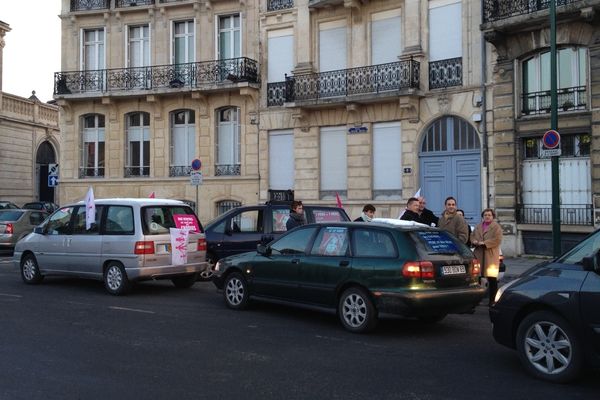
{"type": "Point", "coordinates": [281, 160]}
{"type": "Point", "coordinates": [387, 156]}
{"type": "Point", "coordinates": [445, 32]}
{"type": "Point", "coordinates": [280, 57]}
{"type": "Point", "coordinates": [386, 39]}
{"type": "Point", "coordinates": [332, 47]}
{"type": "Point", "coordinates": [334, 175]}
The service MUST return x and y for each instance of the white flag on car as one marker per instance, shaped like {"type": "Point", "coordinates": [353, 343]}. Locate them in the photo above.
{"type": "Point", "coordinates": [90, 209]}
{"type": "Point", "coordinates": [179, 241]}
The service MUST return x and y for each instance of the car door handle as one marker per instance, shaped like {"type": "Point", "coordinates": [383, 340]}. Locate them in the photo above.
{"type": "Point", "coordinates": [295, 261]}
{"type": "Point", "coordinates": [344, 263]}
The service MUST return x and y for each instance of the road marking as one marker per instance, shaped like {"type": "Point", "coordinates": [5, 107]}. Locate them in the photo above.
{"type": "Point", "coordinates": [131, 309]}
{"type": "Point", "coordinates": [11, 295]}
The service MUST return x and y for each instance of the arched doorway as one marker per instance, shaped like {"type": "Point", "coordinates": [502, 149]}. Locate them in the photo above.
{"type": "Point", "coordinates": [450, 165]}
{"type": "Point", "coordinates": [45, 156]}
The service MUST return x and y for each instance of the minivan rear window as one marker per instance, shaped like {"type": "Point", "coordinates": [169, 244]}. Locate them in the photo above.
{"type": "Point", "coordinates": [10, 215]}
{"type": "Point", "coordinates": [157, 220]}
{"type": "Point", "coordinates": [440, 242]}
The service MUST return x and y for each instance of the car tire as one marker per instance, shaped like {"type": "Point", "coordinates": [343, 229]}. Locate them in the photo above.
{"type": "Point", "coordinates": [185, 282]}
{"type": "Point", "coordinates": [431, 319]}
{"type": "Point", "coordinates": [548, 347]}
{"type": "Point", "coordinates": [235, 291]}
{"type": "Point", "coordinates": [115, 279]}
{"type": "Point", "coordinates": [30, 271]}
{"type": "Point", "coordinates": [207, 274]}
{"type": "Point", "coordinates": [356, 311]}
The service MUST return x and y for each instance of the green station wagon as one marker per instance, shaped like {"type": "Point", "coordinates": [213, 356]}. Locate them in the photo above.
{"type": "Point", "coordinates": [358, 270]}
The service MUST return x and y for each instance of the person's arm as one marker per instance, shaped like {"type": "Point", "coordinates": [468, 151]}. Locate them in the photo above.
{"type": "Point", "coordinates": [463, 230]}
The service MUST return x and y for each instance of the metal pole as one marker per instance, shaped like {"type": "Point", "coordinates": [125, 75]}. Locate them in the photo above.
{"type": "Point", "coordinates": [197, 205]}
{"type": "Point", "coordinates": [554, 125]}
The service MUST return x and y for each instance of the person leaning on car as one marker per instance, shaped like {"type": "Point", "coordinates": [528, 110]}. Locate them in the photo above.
{"type": "Point", "coordinates": [296, 216]}
{"type": "Point", "coordinates": [487, 238]}
{"type": "Point", "coordinates": [412, 210]}
{"type": "Point", "coordinates": [452, 222]}
{"type": "Point", "coordinates": [368, 213]}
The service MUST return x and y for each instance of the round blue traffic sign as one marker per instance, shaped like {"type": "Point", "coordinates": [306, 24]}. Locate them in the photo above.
{"type": "Point", "coordinates": [551, 139]}
{"type": "Point", "coordinates": [196, 164]}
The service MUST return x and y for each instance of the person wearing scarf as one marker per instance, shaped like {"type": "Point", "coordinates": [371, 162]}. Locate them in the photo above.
{"type": "Point", "coordinates": [296, 216]}
{"type": "Point", "coordinates": [487, 238]}
{"type": "Point", "coordinates": [368, 213]}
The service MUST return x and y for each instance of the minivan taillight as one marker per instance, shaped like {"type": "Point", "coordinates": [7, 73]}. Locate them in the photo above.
{"type": "Point", "coordinates": [9, 229]}
{"type": "Point", "coordinates": [418, 269]}
{"type": "Point", "coordinates": [202, 244]}
{"type": "Point", "coordinates": [146, 247]}
{"type": "Point", "coordinates": [476, 270]}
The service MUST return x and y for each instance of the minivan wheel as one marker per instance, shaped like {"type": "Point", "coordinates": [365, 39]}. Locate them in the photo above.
{"type": "Point", "coordinates": [115, 279]}
{"type": "Point", "coordinates": [548, 347]}
{"type": "Point", "coordinates": [184, 282]}
{"type": "Point", "coordinates": [356, 311]}
{"type": "Point", "coordinates": [207, 274]}
{"type": "Point", "coordinates": [30, 272]}
{"type": "Point", "coordinates": [236, 291]}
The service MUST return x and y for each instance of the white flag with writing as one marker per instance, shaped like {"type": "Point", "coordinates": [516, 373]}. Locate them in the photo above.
{"type": "Point", "coordinates": [90, 209]}
{"type": "Point", "coordinates": [179, 242]}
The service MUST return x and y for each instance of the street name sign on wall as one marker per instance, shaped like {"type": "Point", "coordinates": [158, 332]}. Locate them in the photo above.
{"type": "Point", "coordinates": [551, 144]}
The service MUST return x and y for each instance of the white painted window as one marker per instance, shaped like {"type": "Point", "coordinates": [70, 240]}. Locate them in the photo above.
{"type": "Point", "coordinates": [280, 49]}
{"type": "Point", "coordinates": [93, 49]}
{"type": "Point", "coordinates": [183, 42]}
{"type": "Point", "coordinates": [387, 159]}
{"type": "Point", "coordinates": [183, 138]}
{"type": "Point", "coordinates": [229, 37]}
{"type": "Point", "coordinates": [228, 141]}
{"type": "Point", "coordinates": [92, 149]}
{"type": "Point", "coordinates": [334, 162]}
{"type": "Point", "coordinates": [445, 30]}
{"type": "Point", "coordinates": [332, 46]}
{"type": "Point", "coordinates": [281, 160]}
{"type": "Point", "coordinates": [138, 46]}
{"type": "Point", "coordinates": [138, 144]}
{"type": "Point", "coordinates": [386, 37]}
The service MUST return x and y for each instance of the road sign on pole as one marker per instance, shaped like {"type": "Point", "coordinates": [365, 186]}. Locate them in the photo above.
{"type": "Point", "coordinates": [196, 164]}
{"type": "Point", "coordinates": [52, 169]}
{"type": "Point", "coordinates": [52, 181]}
{"type": "Point", "coordinates": [551, 142]}
{"type": "Point", "coordinates": [196, 178]}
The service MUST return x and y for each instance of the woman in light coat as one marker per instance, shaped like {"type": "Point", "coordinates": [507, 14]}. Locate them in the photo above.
{"type": "Point", "coordinates": [487, 238]}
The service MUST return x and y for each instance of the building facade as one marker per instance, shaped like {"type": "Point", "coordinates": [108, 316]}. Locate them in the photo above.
{"type": "Point", "coordinates": [519, 32]}
{"type": "Point", "coordinates": [29, 143]}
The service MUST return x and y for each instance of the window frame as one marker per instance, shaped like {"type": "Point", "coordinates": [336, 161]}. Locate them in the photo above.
{"type": "Point", "coordinates": [190, 148]}
{"type": "Point", "coordinates": [99, 129]}
{"type": "Point", "coordinates": [130, 130]}
{"type": "Point", "coordinates": [235, 151]}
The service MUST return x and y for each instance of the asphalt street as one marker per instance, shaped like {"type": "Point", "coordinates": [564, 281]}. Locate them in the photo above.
{"type": "Point", "coordinates": [68, 339]}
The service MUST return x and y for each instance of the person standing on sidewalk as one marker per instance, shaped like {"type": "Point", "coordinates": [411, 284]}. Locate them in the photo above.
{"type": "Point", "coordinates": [487, 238]}
{"type": "Point", "coordinates": [452, 222]}
{"type": "Point", "coordinates": [426, 216]}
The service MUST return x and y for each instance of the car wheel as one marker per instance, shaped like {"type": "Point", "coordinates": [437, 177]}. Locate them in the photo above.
{"type": "Point", "coordinates": [236, 291]}
{"type": "Point", "coordinates": [431, 319]}
{"type": "Point", "coordinates": [185, 282]}
{"type": "Point", "coordinates": [30, 272]}
{"type": "Point", "coordinates": [115, 279]}
{"type": "Point", "coordinates": [548, 347]}
{"type": "Point", "coordinates": [356, 311]}
{"type": "Point", "coordinates": [207, 274]}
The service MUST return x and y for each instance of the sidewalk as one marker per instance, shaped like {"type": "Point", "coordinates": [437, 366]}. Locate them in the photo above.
{"type": "Point", "coordinates": [517, 265]}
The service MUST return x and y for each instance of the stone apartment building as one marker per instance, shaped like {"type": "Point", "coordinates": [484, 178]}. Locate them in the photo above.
{"type": "Point", "coordinates": [519, 32]}
{"type": "Point", "coordinates": [367, 100]}
{"type": "Point", "coordinates": [29, 142]}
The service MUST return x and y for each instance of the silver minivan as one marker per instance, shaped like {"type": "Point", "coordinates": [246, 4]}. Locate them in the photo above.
{"type": "Point", "coordinates": [130, 241]}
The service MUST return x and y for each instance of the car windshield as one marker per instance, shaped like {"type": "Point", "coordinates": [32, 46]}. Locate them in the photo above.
{"type": "Point", "coordinates": [440, 242]}
{"type": "Point", "coordinates": [7, 205]}
{"type": "Point", "coordinates": [10, 215]}
{"type": "Point", "coordinates": [157, 220]}
{"type": "Point", "coordinates": [586, 248]}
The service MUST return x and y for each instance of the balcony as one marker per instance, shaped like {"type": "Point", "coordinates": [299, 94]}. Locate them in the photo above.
{"type": "Point", "coordinates": [570, 214]}
{"type": "Point", "coordinates": [136, 171]}
{"type": "Point", "coordinates": [133, 3]}
{"type": "Point", "coordinates": [278, 5]}
{"type": "Point", "coordinates": [91, 172]}
{"type": "Point", "coordinates": [84, 5]}
{"type": "Point", "coordinates": [445, 73]}
{"type": "Point", "coordinates": [494, 10]}
{"type": "Point", "coordinates": [569, 99]}
{"type": "Point", "coordinates": [227, 169]}
{"type": "Point", "coordinates": [180, 170]}
{"type": "Point", "coordinates": [354, 84]}
{"type": "Point", "coordinates": [154, 79]}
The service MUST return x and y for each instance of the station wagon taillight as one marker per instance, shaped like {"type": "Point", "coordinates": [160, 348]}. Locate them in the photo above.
{"type": "Point", "coordinates": [476, 270]}
{"type": "Point", "coordinates": [9, 229]}
{"type": "Point", "coordinates": [202, 244]}
{"type": "Point", "coordinates": [418, 269]}
{"type": "Point", "coordinates": [145, 247]}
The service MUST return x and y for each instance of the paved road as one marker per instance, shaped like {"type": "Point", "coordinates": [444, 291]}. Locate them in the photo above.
{"type": "Point", "coordinates": [68, 339]}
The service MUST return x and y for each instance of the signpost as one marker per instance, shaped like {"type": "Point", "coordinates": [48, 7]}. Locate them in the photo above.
{"type": "Point", "coordinates": [551, 142]}
{"type": "Point", "coordinates": [556, 246]}
{"type": "Point", "coordinates": [196, 177]}
{"type": "Point", "coordinates": [52, 175]}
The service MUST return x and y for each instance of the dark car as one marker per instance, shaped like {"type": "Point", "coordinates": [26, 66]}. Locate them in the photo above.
{"type": "Point", "coordinates": [551, 314]}
{"type": "Point", "coordinates": [47, 206]}
{"type": "Point", "coordinates": [240, 229]}
{"type": "Point", "coordinates": [359, 271]}
{"type": "Point", "coordinates": [4, 205]}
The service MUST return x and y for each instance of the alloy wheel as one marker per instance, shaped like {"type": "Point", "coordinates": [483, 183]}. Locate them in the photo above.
{"type": "Point", "coordinates": [114, 278]}
{"type": "Point", "coordinates": [29, 269]}
{"type": "Point", "coordinates": [354, 310]}
{"type": "Point", "coordinates": [548, 348]}
{"type": "Point", "coordinates": [234, 291]}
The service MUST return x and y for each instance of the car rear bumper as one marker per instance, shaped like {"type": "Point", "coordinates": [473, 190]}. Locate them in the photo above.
{"type": "Point", "coordinates": [165, 271]}
{"type": "Point", "coordinates": [425, 303]}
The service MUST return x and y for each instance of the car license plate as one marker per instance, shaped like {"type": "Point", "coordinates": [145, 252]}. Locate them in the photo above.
{"type": "Point", "coordinates": [453, 269]}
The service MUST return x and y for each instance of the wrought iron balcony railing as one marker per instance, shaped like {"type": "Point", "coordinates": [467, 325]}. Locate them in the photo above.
{"type": "Point", "coordinates": [82, 5]}
{"type": "Point", "coordinates": [134, 171]}
{"type": "Point", "coordinates": [494, 10]}
{"type": "Point", "coordinates": [371, 79]}
{"type": "Point", "coordinates": [227, 169]}
{"type": "Point", "coordinates": [569, 99]}
{"type": "Point", "coordinates": [91, 172]}
{"type": "Point", "coordinates": [276, 93]}
{"type": "Point", "coordinates": [541, 214]}
{"type": "Point", "coordinates": [133, 3]}
{"type": "Point", "coordinates": [174, 76]}
{"type": "Point", "coordinates": [180, 170]}
{"type": "Point", "coordinates": [445, 73]}
{"type": "Point", "coordinates": [276, 5]}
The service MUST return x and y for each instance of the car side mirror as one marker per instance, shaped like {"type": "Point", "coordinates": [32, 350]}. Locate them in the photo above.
{"type": "Point", "coordinates": [591, 263]}
{"type": "Point", "coordinates": [39, 230]}
{"type": "Point", "coordinates": [263, 250]}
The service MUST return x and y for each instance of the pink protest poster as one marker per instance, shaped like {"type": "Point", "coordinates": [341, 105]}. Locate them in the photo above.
{"type": "Point", "coordinates": [186, 221]}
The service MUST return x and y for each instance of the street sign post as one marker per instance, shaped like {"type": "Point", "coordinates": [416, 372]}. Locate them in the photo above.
{"type": "Point", "coordinates": [52, 181]}
{"type": "Point", "coordinates": [52, 169]}
{"type": "Point", "coordinates": [196, 178]}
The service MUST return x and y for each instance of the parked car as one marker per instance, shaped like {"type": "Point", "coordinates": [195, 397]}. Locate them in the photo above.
{"type": "Point", "coordinates": [551, 314]}
{"type": "Point", "coordinates": [129, 241]}
{"type": "Point", "coordinates": [358, 271]}
{"type": "Point", "coordinates": [16, 224]}
{"type": "Point", "coordinates": [240, 229]}
{"type": "Point", "coordinates": [8, 205]}
{"type": "Point", "coordinates": [47, 206]}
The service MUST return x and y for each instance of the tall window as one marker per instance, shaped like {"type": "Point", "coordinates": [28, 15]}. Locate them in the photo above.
{"type": "Point", "coordinates": [387, 160]}
{"type": "Point", "coordinates": [183, 142]}
{"type": "Point", "coordinates": [386, 37]}
{"type": "Point", "coordinates": [139, 46]}
{"type": "Point", "coordinates": [281, 160]}
{"type": "Point", "coordinates": [230, 38]}
{"type": "Point", "coordinates": [332, 46]}
{"type": "Point", "coordinates": [334, 162]}
{"type": "Point", "coordinates": [138, 144]}
{"type": "Point", "coordinates": [228, 142]}
{"type": "Point", "coordinates": [92, 146]}
{"type": "Point", "coordinates": [572, 81]}
{"type": "Point", "coordinates": [92, 59]}
{"type": "Point", "coordinates": [183, 42]}
{"type": "Point", "coordinates": [280, 57]}
{"type": "Point", "coordinates": [445, 44]}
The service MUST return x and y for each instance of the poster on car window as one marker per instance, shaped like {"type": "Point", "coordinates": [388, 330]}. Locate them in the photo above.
{"type": "Point", "coordinates": [186, 221]}
{"type": "Point", "coordinates": [280, 218]}
{"type": "Point", "coordinates": [327, 216]}
{"type": "Point", "coordinates": [334, 242]}
{"type": "Point", "coordinates": [438, 242]}
{"type": "Point", "coordinates": [179, 241]}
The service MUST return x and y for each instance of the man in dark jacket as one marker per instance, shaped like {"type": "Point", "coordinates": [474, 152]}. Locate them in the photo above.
{"type": "Point", "coordinates": [411, 212]}
{"type": "Point", "coordinates": [296, 216]}
{"type": "Point", "coordinates": [368, 213]}
{"type": "Point", "coordinates": [426, 216]}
